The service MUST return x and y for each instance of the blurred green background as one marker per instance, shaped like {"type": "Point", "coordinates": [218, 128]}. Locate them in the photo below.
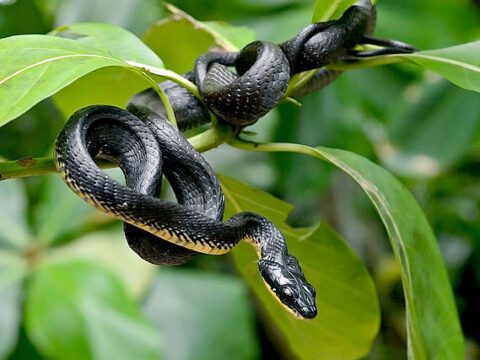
{"type": "Point", "coordinates": [421, 128]}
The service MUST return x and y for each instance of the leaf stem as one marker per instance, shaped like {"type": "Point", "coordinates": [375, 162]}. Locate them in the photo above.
{"type": "Point", "coordinates": [161, 94]}
{"type": "Point", "coordinates": [171, 75]}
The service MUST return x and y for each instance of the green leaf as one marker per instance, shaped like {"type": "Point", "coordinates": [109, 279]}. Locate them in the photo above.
{"type": "Point", "coordinates": [460, 64]}
{"type": "Point", "coordinates": [36, 66]}
{"type": "Point", "coordinates": [117, 42]}
{"type": "Point", "coordinates": [96, 88]}
{"type": "Point", "coordinates": [221, 327]}
{"type": "Point", "coordinates": [348, 311]}
{"type": "Point", "coordinates": [185, 42]}
{"type": "Point", "coordinates": [228, 37]}
{"type": "Point", "coordinates": [432, 321]}
{"type": "Point", "coordinates": [330, 9]}
{"type": "Point", "coordinates": [12, 272]}
{"type": "Point", "coordinates": [77, 310]}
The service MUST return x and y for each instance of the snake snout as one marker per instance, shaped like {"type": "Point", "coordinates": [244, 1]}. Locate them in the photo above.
{"type": "Point", "coordinates": [290, 287]}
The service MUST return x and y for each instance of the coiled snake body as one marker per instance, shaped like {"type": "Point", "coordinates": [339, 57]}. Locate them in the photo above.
{"type": "Point", "coordinates": [146, 146]}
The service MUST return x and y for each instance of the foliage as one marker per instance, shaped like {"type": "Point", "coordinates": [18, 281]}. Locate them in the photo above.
{"type": "Point", "coordinates": [79, 279]}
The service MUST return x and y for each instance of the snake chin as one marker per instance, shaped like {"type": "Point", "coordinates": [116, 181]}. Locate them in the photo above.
{"type": "Point", "coordinates": [287, 281]}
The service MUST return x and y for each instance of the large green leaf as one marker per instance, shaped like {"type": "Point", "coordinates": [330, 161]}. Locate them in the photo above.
{"type": "Point", "coordinates": [36, 66]}
{"type": "Point", "coordinates": [202, 316]}
{"type": "Point", "coordinates": [96, 88]}
{"type": "Point", "coordinates": [432, 321]}
{"type": "Point", "coordinates": [78, 310]}
{"type": "Point", "coordinates": [348, 311]}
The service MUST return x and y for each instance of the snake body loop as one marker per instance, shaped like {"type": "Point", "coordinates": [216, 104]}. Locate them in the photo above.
{"type": "Point", "coordinates": [141, 144]}
{"type": "Point", "coordinates": [239, 87]}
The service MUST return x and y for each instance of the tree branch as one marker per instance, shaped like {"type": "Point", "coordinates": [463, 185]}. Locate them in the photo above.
{"type": "Point", "coordinates": [26, 167]}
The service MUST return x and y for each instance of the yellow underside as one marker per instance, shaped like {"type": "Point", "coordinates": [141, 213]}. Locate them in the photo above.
{"type": "Point", "coordinates": [180, 240]}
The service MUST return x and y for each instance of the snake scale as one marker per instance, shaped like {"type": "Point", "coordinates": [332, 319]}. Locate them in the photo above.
{"type": "Point", "coordinates": [146, 146]}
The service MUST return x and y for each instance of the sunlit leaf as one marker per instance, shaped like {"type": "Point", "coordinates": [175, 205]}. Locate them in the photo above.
{"type": "Point", "coordinates": [225, 35]}
{"type": "Point", "coordinates": [330, 9]}
{"type": "Point", "coordinates": [36, 66]}
{"type": "Point", "coordinates": [348, 311]}
{"type": "Point", "coordinates": [202, 316]}
{"type": "Point", "coordinates": [78, 310]}
{"type": "Point", "coordinates": [96, 88]}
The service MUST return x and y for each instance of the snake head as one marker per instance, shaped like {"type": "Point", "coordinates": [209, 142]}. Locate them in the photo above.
{"type": "Point", "coordinates": [288, 283]}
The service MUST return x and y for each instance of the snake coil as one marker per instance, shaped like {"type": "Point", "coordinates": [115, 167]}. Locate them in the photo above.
{"type": "Point", "coordinates": [146, 146]}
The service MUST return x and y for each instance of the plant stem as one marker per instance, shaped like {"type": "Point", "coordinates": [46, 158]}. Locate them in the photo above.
{"type": "Point", "coordinates": [272, 147]}
{"type": "Point", "coordinates": [26, 167]}
{"type": "Point", "coordinates": [171, 75]}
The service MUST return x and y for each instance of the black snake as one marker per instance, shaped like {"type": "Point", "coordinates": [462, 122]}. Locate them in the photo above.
{"type": "Point", "coordinates": [146, 146]}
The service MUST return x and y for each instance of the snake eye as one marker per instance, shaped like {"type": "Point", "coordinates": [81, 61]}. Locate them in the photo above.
{"type": "Point", "coordinates": [288, 292]}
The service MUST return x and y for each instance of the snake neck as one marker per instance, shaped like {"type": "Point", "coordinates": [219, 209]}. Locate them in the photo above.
{"type": "Point", "coordinates": [262, 234]}
{"type": "Point", "coordinates": [323, 43]}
